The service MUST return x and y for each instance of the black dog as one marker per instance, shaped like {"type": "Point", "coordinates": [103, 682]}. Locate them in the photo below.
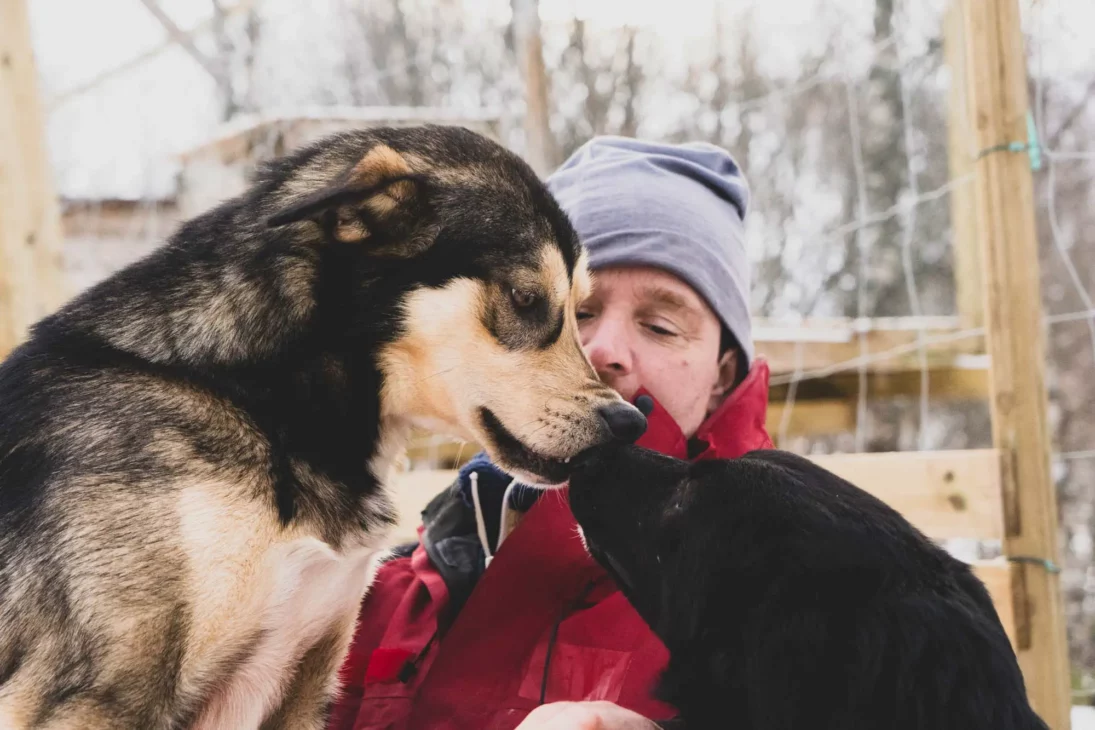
{"type": "Point", "coordinates": [789, 598]}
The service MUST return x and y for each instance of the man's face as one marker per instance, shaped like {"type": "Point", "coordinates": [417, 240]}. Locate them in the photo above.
{"type": "Point", "coordinates": [644, 327]}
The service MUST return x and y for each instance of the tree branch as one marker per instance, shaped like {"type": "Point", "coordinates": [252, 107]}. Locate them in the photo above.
{"type": "Point", "coordinates": [183, 39]}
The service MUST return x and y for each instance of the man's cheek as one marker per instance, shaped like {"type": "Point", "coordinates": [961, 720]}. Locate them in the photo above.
{"type": "Point", "coordinates": [666, 381]}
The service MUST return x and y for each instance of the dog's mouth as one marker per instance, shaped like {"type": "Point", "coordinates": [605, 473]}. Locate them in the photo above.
{"type": "Point", "coordinates": [545, 471]}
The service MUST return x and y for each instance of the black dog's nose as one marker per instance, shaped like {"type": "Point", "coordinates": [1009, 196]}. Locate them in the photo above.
{"type": "Point", "coordinates": [624, 421]}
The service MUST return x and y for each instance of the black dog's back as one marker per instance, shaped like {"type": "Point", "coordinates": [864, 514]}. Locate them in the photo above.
{"type": "Point", "coordinates": [904, 635]}
{"type": "Point", "coordinates": [789, 598]}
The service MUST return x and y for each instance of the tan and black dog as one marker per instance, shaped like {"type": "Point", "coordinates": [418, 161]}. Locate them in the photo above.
{"type": "Point", "coordinates": [193, 454]}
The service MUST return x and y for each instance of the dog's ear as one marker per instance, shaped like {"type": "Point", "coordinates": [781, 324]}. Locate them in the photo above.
{"type": "Point", "coordinates": [375, 201]}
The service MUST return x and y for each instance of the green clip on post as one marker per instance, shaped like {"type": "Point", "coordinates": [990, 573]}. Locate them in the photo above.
{"type": "Point", "coordinates": [1034, 147]}
{"type": "Point", "coordinates": [1049, 565]}
{"type": "Point", "coordinates": [1031, 146]}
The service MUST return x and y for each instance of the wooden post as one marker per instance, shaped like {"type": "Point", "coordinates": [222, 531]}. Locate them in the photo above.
{"type": "Point", "coordinates": [969, 291]}
{"type": "Point", "coordinates": [30, 227]}
{"type": "Point", "coordinates": [539, 143]}
{"type": "Point", "coordinates": [997, 92]}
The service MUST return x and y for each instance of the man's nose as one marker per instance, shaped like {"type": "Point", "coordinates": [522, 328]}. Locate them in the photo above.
{"type": "Point", "coordinates": [606, 346]}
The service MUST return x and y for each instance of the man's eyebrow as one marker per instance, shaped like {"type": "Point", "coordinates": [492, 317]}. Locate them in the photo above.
{"type": "Point", "coordinates": [667, 299]}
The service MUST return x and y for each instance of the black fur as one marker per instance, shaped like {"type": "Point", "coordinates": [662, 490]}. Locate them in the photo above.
{"type": "Point", "coordinates": [788, 598]}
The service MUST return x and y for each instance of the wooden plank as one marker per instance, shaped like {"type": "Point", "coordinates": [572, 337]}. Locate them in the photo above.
{"type": "Point", "coordinates": [996, 86]}
{"type": "Point", "coordinates": [413, 491]}
{"type": "Point", "coordinates": [817, 350]}
{"type": "Point", "coordinates": [811, 417]}
{"type": "Point", "coordinates": [945, 383]}
{"type": "Point", "coordinates": [30, 226]}
{"type": "Point", "coordinates": [945, 494]}
{"type": "Point", "coordinates": [427, 451]}
{"type": "Point", "coordinates": [998, 577]}
{"type": "Point", "coordinates": [969, 289]}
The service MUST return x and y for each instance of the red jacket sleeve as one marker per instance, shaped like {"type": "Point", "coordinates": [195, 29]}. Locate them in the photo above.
{"type": "Point", "coordinates": [387, 592]}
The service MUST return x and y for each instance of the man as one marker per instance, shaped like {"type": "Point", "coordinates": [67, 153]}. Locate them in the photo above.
{"type": "Point", "coordinates": [499, 610]}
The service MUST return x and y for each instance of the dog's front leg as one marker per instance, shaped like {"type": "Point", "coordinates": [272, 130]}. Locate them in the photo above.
{"type": "Point", "coordinates": [315, 682]}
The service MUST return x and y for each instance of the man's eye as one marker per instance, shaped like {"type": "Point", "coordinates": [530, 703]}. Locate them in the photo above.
{"type": "Point", "coordinates": [660, 331]}
{"type": "Point", "coordinates": [584, 315]}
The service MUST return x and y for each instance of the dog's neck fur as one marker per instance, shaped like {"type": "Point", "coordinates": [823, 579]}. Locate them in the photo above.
{"type": "Point", "coordinates": [265, 326]}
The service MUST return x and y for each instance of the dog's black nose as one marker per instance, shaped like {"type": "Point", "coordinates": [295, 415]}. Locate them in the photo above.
{"type": "Point", "coordinates": [624, 421]}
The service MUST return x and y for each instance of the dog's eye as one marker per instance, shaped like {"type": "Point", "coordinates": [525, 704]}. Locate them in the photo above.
{"type": "Point", "coordinates": [523, 299]}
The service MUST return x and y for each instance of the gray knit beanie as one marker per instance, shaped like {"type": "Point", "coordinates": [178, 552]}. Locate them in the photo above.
{"type": "Point", "coordinates": [674, 207]}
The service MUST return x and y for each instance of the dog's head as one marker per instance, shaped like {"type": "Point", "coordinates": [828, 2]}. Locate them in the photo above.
{"type": "Point", "coordinates": [638, 513]}
{"type": "Point", "coordinates": [692, 543]}
{"type": "Point", "coordinates": [463, 277]}
{"type": "Point", "coordinates": [658, 525]}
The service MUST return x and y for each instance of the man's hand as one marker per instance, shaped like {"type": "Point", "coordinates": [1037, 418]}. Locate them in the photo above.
{"type": "Point", "coordinates": [584, 716]}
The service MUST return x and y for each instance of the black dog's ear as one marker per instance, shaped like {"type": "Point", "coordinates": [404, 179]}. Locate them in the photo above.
{"type": "Point", "coordinates": [375, 200]}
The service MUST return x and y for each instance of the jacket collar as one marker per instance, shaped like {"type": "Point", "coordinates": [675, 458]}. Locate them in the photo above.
{"type": "Point", "coordinates": [737, 426]}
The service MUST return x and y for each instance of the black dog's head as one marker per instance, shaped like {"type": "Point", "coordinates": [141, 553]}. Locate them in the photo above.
{"type": "Point", "coordinates": [463, 268]}
{"type": "Point", "coordinates": [658, 526]}
{"type": "Point", "coordinates": [642, 517]}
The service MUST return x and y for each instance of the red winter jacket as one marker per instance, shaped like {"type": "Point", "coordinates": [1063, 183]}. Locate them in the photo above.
{"type": "Point", "coordinates": [484, 669]}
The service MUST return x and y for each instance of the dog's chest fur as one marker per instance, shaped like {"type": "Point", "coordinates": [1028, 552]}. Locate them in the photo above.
{"type": "Point", "coordinates": [294, 591]}
{"type": "Point", "coordinates": [312, 592]}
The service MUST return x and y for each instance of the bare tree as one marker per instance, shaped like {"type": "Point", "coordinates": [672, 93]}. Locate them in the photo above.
{"type": "Point", "coordinates": [235, 57]}
{"type": "Point", "coordinates": [598, 91]}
